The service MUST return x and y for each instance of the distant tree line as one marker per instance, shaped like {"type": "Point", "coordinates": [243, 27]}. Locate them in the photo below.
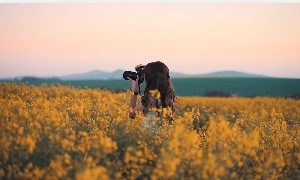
{"type": "Point", "coordinates": [214, 93]}
{"type": "Point", "coordinates": [218, 93]}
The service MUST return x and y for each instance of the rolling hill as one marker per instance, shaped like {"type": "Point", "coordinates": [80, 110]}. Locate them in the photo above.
{"type": "Point", "coordinates": [231, 74]}
{"type": "Point", "coordinates": [118, 74]}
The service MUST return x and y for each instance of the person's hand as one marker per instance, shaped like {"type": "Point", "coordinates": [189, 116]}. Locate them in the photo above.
{"type": "Point", "coordinates": [139, 66]}
{"type": "Point", "coordinates": [134, 84]}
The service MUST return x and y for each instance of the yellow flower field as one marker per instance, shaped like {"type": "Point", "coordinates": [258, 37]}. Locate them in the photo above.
{"type": "Point", "coordinates": [60, 132]}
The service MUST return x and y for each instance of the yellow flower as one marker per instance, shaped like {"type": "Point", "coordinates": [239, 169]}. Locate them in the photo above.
{"type": "Point", "coordinates": [62, 132]}
{"type": "Point", "coordinates": [155, 93]}
{"type": "Point", "coordinates": [93, 174]}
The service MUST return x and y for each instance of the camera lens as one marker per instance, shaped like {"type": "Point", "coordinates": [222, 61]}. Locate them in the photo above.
{"type": "Point", "coordinates": [130, 74]}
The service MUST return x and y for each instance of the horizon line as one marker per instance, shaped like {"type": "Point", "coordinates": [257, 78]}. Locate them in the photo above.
{"type": "Point", "coordinates": [186, 74]}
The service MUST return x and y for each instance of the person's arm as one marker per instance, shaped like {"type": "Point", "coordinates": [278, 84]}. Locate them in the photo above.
{"type": "Point", "coordinates": [132, 104]}
{"type": "Point", "coordinates": [134, 92]}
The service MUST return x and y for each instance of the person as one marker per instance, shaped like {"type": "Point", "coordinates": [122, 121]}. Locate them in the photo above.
{"type": "Point", "coordinates": [157, 79]}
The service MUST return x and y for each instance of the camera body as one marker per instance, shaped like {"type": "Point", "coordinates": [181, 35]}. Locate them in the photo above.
{"type": "Point", "coordinates": [133, 75]}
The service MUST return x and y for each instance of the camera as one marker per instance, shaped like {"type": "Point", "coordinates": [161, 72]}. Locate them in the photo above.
{"type": "Point", "coordinates": [133, 75]}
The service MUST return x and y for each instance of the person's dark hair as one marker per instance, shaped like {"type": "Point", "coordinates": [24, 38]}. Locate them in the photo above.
{"type": "Point", "coordinates": [157, 77]}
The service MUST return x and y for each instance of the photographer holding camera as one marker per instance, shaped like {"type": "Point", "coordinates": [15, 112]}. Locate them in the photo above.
{"type": "Point", "coordinates": [157, 77]}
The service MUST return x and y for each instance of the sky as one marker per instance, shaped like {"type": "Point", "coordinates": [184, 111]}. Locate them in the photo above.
{"type": "Point", "coordinates": [195, 38]}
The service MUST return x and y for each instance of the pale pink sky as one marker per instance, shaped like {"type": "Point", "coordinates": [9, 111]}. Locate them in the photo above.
{"type": "Point", "coordinates": [59, 39]}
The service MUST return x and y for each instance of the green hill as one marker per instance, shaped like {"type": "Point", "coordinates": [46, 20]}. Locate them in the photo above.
{"type": "Point", "coordinates": [248, 87]}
